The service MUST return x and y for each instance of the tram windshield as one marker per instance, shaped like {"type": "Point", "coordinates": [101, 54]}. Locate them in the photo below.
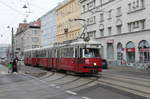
{"type": "Point", "coordinates": [91, 52]}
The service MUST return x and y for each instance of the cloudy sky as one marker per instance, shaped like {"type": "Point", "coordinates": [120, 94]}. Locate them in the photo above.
{"type": "Point", "coordinates": [12, 13]}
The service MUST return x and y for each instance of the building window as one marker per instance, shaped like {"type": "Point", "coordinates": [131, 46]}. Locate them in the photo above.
{"type": "Point", "coordinates": [142, 22]}
{"type": "Point", "coordinates": [136, 5]}
{"type": "Point", "coordinates": [35, 46]}
{"type": "Point", "coordinates": [119, 12]}
{"type": "Point", "coordinates": [119, 29]}
{"type": "Point", "coordinates": [142, 4]}
{"type": "Point", "coordinates": [91, 20]}
{"type": "Point", "coordinates": [101, 17]}
{"type": "Point", "coordinates": [109, 14]}
{"type": "Point", "coordinates": [136, 25]}
{"type": "Point", "coordinates": [129, 27]}
{"type": "Point", "coordinates": [35, 39]}
{"type": "Point", "coordinates": [91, 5]}
{"type": "Point", "coordinates": [92, 34]}
{"type": "Point", "coordinates": [83, 7]}
{"type": "Point", "coordinates": [101, 32]}
{"type": "Point", "coordinates": [109, 30]}
{"type": "Point", "coordinates": [129, 6]}
{"type": "Point", "coordinates": [34, 32]}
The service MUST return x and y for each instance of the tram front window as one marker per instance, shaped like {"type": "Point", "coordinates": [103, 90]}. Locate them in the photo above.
{"type": "Point", "coordinates": [90, 52]}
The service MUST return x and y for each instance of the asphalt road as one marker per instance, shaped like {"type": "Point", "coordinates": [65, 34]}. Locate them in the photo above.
{"type": "Point", "coordinates": [27, 85]}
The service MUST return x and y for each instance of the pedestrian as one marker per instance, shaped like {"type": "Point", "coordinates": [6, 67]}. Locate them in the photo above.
{"type": "Point", "coordinates": [9, 67]}
{"type": "Point", "coordinates": [14, 65]}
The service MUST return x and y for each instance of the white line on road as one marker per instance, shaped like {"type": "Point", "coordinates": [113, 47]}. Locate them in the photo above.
{"type": "Point", "coordinates": [57, 87]}
{"type": "Point", "coordinates": [86, 98]}
{"type": "Point", "coordinates": [71, 92]}
{"type": "Point", "coordinates": [52, 85]}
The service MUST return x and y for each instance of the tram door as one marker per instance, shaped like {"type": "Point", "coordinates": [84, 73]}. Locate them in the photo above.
{"type": "Point", "coordinates": [77, 58]}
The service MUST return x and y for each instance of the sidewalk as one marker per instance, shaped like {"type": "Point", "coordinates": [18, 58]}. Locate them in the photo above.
{"type": "Point", "coordinates": [128, 71]}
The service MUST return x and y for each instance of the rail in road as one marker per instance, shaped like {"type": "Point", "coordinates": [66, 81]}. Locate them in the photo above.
{"type": "Point", "coordinates": [72, 84]}
{"type": "Point", "coordinates": [135, 85]}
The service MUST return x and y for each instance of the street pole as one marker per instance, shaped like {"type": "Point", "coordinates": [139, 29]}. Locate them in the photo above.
{"type": "Point", "coordinates": [12, 42]}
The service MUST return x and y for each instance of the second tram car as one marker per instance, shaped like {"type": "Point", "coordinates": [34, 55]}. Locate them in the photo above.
{"type": "Point", "coordinates": [78, 57]}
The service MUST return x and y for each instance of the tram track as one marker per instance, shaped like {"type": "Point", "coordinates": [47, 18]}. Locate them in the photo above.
{"type": "Point", "coordinates": [69, 81]}
{"type": "Point", "coordinates": [136, 85]}
{"type": "Point", "coordinates": [127, 77]}
{"type": "Point", "coordinates": [47, 76]}
{"type": "Point", "coordinates": [65, 75]}
{"type": "Point", "coordinates": [131, 81]}
{"type": "Point", "coordinates": [124, 88]}
{"type": "Point", "coordinates": [84, 84]}
{"type": "Point", "coordinates": [129, 84]}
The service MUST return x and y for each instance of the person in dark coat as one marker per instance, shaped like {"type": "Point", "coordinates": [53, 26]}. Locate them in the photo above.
{"type": "Point", "coordinates": [14, 65]}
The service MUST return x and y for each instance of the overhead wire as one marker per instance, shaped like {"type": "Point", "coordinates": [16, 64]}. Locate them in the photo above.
{"type": "Point", "coordinates": [11, 8]}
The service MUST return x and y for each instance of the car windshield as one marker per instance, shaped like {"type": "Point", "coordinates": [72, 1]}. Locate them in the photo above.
{"type": "Point", "coordinates": [91, 52]}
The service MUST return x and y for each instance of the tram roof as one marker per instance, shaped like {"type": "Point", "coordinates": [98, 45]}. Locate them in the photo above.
{"type": "Point", "coordinates": [76, 42]}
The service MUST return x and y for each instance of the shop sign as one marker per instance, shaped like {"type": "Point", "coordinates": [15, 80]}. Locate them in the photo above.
{"type": "Point", "coordinates": [144, 49]}
{"type": "Point", "coordinates": [130, 49]}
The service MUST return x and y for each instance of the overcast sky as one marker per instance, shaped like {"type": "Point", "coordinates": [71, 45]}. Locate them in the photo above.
{"type": "Point", "coordinates": [12, 13]}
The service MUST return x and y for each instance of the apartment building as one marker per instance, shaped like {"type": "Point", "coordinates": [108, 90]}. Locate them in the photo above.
{"type": "Point", "coordinates": [67, 28]}
{"type": "Point", "coordinates": [121, 26]}
{"type": "Point", "coordinates": [48, 28]}
{"type": "Point", "coordinates": [28, 36]}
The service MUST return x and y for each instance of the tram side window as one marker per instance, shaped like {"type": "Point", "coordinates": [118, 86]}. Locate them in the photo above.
{"type": "Point", "coordinates": [80, 54]}
{"type": "Point", "coordinates": [55, 53]}
{"type": "Point", "coordinates": [63, 52]}
{"type": "Point", "coordinates": [40, 53]}
{"type": "Point", "coordinates": [58, 53]}
{"type": "Point", "coordinates": [30, 54]}
{"type": "Point", "coordinates": [69, 52]}
{"type": "Point", "coordinates": [44, 53]}
{"type": "Point", "coordinates": [33, 54]}
{"type": "Point", "coordinates": [76, 52]}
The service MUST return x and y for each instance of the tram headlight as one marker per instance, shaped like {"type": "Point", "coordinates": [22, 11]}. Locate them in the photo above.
{"type": "Point", "coordinates": [94, 64]}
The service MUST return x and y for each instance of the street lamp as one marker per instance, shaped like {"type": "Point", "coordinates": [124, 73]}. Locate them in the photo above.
{"type": "Point", "coordinates": [12, 41]}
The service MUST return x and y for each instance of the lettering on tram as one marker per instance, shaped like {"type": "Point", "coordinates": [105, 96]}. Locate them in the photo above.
{"type": "Point", "coordinates": [78, 57]}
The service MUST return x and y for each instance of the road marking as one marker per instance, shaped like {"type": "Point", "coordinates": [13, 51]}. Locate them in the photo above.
{"type": "Point", "coordinates": [86, 98]}
{"type": "Point", "coordinates": [57, 87]}
{"type": "Point", "coordinates": [71, 92]}
{"type": "Point", "coordinates": [52, 85]}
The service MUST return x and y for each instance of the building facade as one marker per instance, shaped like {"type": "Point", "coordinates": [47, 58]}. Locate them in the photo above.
{"type": "Point", "coordinates": [19, 38]}
{"type": "Point", "coordinates": [122, 27]}
{"type": "Point", "coordinates": [67, 28]}
{"type": "Point", "coordinates": [27, 37]}
{"type": "Point", "coordinates": [48, 28]}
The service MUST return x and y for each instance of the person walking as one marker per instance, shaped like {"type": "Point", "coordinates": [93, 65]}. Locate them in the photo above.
{"type": "Point", "coordinates": [14, 65]}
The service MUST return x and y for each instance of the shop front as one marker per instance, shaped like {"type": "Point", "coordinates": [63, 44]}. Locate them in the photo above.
{"type": "Point", "coordinates": [144, 52]}
{"type": "Point", "coordinates": [130, 52]}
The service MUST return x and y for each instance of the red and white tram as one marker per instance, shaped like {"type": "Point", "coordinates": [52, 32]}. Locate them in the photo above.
{"type": "Point", "coordinates": [78, 57]}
